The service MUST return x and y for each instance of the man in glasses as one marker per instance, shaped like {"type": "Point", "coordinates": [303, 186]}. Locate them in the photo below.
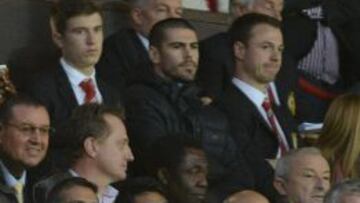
{"type": "Point", "coordinates": [24, 137]}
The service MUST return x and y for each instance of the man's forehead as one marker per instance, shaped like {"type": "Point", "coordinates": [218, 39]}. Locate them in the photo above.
{"type": "Point", "coordinates": [85, 20]}
{"type": "Point", "coordinates": [180, 34]}
{"type": "Point", "coordinates": [311, 163]}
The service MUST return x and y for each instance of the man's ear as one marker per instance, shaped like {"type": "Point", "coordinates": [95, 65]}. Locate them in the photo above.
{"type": "Point", "coordinates": [2, 128]}
{"type": "Point", "coordinates": [163, 176]}
{"type": "Point", "coordinates": [90, 147]}
{"type": "Point", "coordinates": [239, 50]}
{"type": "Point", "coordinates": [154, 55]}
{"type": "Point", "coordinates": [136, 16]}
{"type": "Point", "coordinates": [280, 185]}
{"type": "Point", "coordinates": [55, 34]}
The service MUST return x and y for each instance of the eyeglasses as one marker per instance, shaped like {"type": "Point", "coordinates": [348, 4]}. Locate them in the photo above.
{"type": "Point", "coordinates": [30, 129]}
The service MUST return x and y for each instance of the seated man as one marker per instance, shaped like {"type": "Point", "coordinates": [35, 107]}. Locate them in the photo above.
{"type": "Point", "coordinates": [73, 190]}
{"type": "Point", "coordinates": [141, 190]}
{"type": "Point", "coordinates": [168, 103]}
{"type": "Point", "coordinates": [302, 176]}
{"type": "Point", "coordinates": [97, 150]}
{"type": "Point", "coordinates": [345, 192]}
{"type": "Point", "coordinates": [181, 166]}
{"type": "Point", "coordinates": [125, 57]}
{"type": "Point", "coordinates": [24, 138]}
{"type": "Point", "coordinates": [246, 197]}
{"type": "Point", "coordinates": [77, 29]}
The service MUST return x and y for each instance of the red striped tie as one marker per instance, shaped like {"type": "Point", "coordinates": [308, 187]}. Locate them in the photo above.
{"type": "Point", "coordinates": [272, 120]}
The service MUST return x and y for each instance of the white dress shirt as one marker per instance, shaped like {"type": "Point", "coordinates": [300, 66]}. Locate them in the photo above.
{"type": "Point", "coordinates": [10, 180]}
{"type": "Point", "coordinates": [75, 78]}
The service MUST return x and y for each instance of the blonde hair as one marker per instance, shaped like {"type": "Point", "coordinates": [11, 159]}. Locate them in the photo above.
{"type": "Point", "coordinates": [340, 137]}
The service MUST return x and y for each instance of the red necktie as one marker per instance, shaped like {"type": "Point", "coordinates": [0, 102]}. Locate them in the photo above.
{"type": "Point", "coordinates": [88, 87]}
{"type": "Point", "coordinates": [272, 120]}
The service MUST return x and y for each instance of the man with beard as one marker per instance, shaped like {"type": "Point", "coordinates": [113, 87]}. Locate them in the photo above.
{"type": "Point", "coordinates": [168, 104]}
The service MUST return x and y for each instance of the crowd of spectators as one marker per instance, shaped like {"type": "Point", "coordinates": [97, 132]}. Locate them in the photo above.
{"type": "Point", "coordinates": [152, 114]}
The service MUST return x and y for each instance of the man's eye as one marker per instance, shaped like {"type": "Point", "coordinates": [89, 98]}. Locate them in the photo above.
{"type": "Point", "coordinates": [26, 128]}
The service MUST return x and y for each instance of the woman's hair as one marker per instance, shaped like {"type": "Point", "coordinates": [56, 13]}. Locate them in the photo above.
{"type": "Point", "coordinates": [340, 136]}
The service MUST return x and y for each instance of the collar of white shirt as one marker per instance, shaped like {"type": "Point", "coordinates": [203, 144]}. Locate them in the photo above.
{"type": "Point", "coordinates": [75, 78]}
{"type": "Point", "coordinates": [10, 180]}
{"type": "Point", "coordinates": [108, 196]}
{"type": "Point", "coordinates": [144, 41]}
{"type": "Point", "coordinates": [256, 96]}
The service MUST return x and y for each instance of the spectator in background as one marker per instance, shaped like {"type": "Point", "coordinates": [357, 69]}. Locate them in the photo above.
{"type": "Point", "coordinates": [168, 103]}
{"type": "Point", "coordinates": [181, 166]}
{"type": "Point", "coordinates": [77, 29]}
{"type": "Point", "coordinates": [97, 150]}
{"type": "Point", "coordinates": [125, 57]}
{"type": "Point", "coordinates": [344, 192]}
{"type": "Point", "coordinates": [246, 197]}
{"type": "Point", "coordinates": [24, 138]}
{"type": "Point", "coordinates": [142, 190]}
{"type": "Point", "coordinates": [340, 135]}
{"type": "Point", "coordinates": [216, 68]}
{"type": "Point", "coordinates": [73, 190]}
{"type": "Point", "coordinates": [260, 128]}
{"type": "Point", "coordinates": [302, 176]}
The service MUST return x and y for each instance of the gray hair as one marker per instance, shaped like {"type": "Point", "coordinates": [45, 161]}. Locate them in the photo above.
{"type": "Point", "coordinates": [283, 165]}
{"type": "Point", "coordinates": [349, 187]}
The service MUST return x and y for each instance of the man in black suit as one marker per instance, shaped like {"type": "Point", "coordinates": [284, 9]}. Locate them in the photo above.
{"type": "Point", "coordinates": [261, 129]}
{"type": "Point", "coordinates": [216, 68]}
{"type": "Point", "coordinates": [24, 139]}
{"type": "Point", "coordinates": [125, 56]}
{"type": "Point", "coordinates": [77, 29]}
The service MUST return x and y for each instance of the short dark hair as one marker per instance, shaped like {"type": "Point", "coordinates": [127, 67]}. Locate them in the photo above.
{"type": "Point", "coordinates": [56, 193]}
{"type": "Point", "coordinates": [87, 121]}
{"type": "Point", "coordinates": [6, 108]}
{"type": "Point", "coordinates": [169, 151]}
{"type": "Point", "coordinates": [63, 10]}
{"type": "Point", "coordinates": [157, 33]}
{"type": "Point", "coordinates": [137, 186]}
{"type": "Point", "coordinates": [242, 27]}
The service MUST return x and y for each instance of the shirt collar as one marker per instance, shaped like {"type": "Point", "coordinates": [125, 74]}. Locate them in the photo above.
{"type": "Point", "coordinates": [75, 76]}
{"type": "Point", "coordinates": [110, 191]}
{"type": "Point", "coordinates": [256, 96]}
{"type": "Point", "coordinates": [10, 180]}
{"type": "Point", "coordinates": [144, 41]}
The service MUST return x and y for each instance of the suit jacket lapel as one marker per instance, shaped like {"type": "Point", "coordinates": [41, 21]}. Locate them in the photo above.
{"type": "Point", "coordinates": [243, 99]}
{"type": "Point", "coordinates": [64, 87]}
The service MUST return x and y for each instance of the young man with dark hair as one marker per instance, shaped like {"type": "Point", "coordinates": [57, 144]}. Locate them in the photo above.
{"type": "Point", "coordinates": [77, 30]}
{"type": "Point", "coordinates": [73, 190]}
{"type": "Point", "coordinates": [24, 139]}
{"type": "Point", "coordinates": [97, 150]}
